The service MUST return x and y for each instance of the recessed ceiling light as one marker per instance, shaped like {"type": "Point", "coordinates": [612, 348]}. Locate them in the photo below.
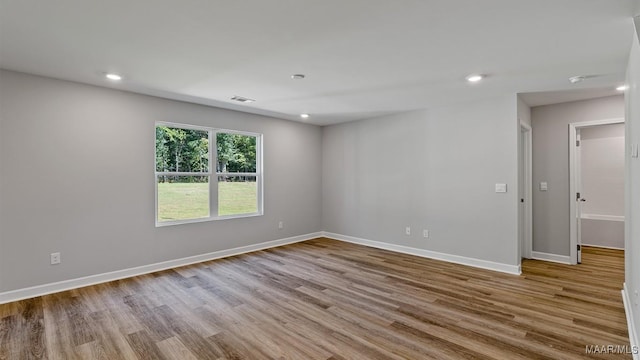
{"type": "Point", "coordinates": [304, 116]}
{"type": "Point", "coordinates": [112, 76]}
{"type": "Point", "coordinates": [297, 76]}
{"type": "Point", "coordinates": [242, 99]}
{"type": "Point", "coordinates": [474, 77]}
{"type": "Point", "coordinates": [622, 88]}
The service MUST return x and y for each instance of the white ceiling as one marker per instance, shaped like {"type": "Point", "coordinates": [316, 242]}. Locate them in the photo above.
{"type": "Point", "coordinates": [561, 96]}
{"type": "Point", "coordinates": [362, 58]}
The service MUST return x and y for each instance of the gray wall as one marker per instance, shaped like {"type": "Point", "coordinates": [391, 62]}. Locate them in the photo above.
{"type": "Point", "coordinates": [632, 182]}
{"type": "Point", "coordinates": [550, 125]}
{"type": "Point", "coordinates": [77, 177]}
{"type": "Point", "coordinates": [602, 169]}
{"type": "Point", "coordinates": [604, 233]}
{"type": "Point", "coordinates": [434, 169]}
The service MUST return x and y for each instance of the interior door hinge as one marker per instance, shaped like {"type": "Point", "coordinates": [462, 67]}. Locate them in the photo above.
{"type": "Point", "coordinates": [577, 196]}
{"type": "Point", "coordinates": [577, 142]}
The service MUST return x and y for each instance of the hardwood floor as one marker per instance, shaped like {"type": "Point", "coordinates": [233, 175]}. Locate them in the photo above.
{"type": "Point", "coordinates": [324, 299]}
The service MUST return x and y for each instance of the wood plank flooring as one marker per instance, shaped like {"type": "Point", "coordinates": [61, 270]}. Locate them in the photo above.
{"type": "Point", "coordinates": [324, 299]}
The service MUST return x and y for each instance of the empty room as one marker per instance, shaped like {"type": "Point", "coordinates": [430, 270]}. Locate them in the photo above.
{"type": "Point", "coordinates": [306, 179]}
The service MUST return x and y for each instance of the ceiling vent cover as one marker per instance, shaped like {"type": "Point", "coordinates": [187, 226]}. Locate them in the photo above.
{"type": "Point", "coordinates": [242, 99]}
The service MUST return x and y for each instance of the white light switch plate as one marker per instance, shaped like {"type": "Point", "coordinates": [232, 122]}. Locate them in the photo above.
{"type": "Point", "coordinates": [543, 186]}
{"type": "Point", "coordinates": [501, 188]}
{"type": "Point", "coordinates": [634, 150]}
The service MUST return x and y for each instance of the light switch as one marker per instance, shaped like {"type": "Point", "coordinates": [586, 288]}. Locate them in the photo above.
{"type": "Point", "coordinates": [634, 150]}
{"type": "Point", "coordinates": [543, 186]}
{"type": "Point", "coordinates": [501, 188]}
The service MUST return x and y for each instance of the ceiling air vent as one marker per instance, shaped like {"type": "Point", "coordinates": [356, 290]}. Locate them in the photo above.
{"type": "Point", "coordinates": [242, 99]}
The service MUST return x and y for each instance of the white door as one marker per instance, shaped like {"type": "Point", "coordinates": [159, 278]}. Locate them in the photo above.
{"type": "Point", "coordinates": [524, 195]}
{"type": "Point", "coordinates": [579, 196]}
{"type": "Point", "coordinates": [521, 210]}
{"type": "Point", "coordinates": [576, 197]}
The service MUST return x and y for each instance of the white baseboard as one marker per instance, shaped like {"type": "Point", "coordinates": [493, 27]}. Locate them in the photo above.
{"type": "Point", "coordinates": [483, 264]}
{"type": "Point", "coordinates": [562, 259]}
{"type": "Point", "coordinates": [39, 290]}
{"type": "Point", "coordinates": [602, 217]}
{"type": "Point", "coordinates": [603, 247]}
{"type": "Point", "coordinates": [633, 336]}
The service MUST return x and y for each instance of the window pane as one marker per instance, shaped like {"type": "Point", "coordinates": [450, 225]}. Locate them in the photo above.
{"type": "Point", "coordinates": [236, 153]}
{"type": "Point", "coordinates": [182, 150]}
{"type": "Point", "coordinates": [237, 195]}
{"type": "Point", "coordinates": [183, 197]}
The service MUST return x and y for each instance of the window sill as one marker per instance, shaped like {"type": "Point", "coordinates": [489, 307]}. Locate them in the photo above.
{"type": "Point", "coordinates": [211, 218]}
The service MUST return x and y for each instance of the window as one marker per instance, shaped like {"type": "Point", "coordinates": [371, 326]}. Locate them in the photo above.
{"type": "Point", "coordinates": [189, 188]}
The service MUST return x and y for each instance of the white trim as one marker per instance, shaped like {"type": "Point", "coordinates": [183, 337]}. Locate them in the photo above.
{"type": "Point", "coordinates": [602, 217]}
{"type": "Point", "coordinates": [583, 124]}
{"type": "Point", "coordinates": [182, 126]}
{"type": "Point", "coordinates": [573, 226]}
{"type": "Point", "coordinates": [602, 247]}
{"type": "Point", "coordinates": [562, 259]}
{"type": "Point", "coordinates": [249, 174]}
{"type": "Point", "coordinates": [39, 290]}
{"type": "Point", "coordinates": [478, 263]}
{"type": "Point", "coordinates": [204, 128]}
{"type": "Point", "coordinates": [633, 336]}
{"type": "Point", "coordinates": [213, 166]}
{"type": "Point", "coordinates": [206, 219]}
{"type": "Point", "coordinates": [182, 173]}
{"type": "Point", "coordinates": [527, 148]}
{"type": "Point", "coordinates": [573, 233]}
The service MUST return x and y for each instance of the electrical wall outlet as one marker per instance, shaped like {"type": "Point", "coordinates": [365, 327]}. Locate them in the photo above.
{"type": "Point", "coordinates": [55, 258]}
{"type": "Point", "coordinates": [407, 230]}
{"type": "Point", "coordinates": [280, 224]}
{"type": "Point", "coordinates": [425, 233]}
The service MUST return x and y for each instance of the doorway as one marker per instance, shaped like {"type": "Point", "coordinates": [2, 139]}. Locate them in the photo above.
{"type": "Point", "coordinates": [525, 209]}
{"type": "Point", "coordinates": [596, 185]}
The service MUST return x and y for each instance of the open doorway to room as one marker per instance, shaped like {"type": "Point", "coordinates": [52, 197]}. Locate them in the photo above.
{"type": "Point", "coordinates": [554, 118]}
{"type": "Point", "coordinates": [525, 211]}
{"type": "Point", "coordinates": [597, 151]}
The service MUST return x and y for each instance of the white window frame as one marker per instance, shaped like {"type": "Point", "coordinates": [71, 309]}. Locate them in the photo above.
{"type": "Point", "coordinates": [213, 174]}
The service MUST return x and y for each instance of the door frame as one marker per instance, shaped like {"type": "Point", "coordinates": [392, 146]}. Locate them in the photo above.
{"type": "Point", "coordinates": [526, 143]}
{"type": "Point", "coordinates": [574, 180]}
